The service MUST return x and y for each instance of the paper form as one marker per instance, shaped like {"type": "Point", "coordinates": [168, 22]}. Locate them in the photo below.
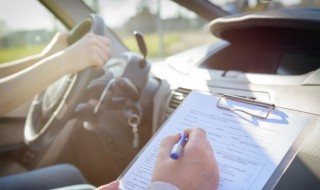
{"type": "Point", "coordinates": [247, 149]}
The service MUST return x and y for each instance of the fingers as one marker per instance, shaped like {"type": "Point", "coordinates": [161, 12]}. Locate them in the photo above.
{"type": "Point", "coordinates": [100, 41]}
{"type": "Point", "coordinates": [104, 40]}
{"type": "Point", "coordinates": [101, 56]}
{"type": "Point", "coordinates": [100, 49]}
{"type": "Point", "coordinates": [196, 169]}
{"type": "Point", "coordinates": [90, 50]}
{"type": "Point", "coordinates": [168, 142]}
{"type": "Point", "coordinates": [196, 135]}
{"type": "Point", "coordinates": [197, 142]}
{"type": "Point", "coordinates": [194, 131]}
{"type": "Point", "coordinates": [111, 186]}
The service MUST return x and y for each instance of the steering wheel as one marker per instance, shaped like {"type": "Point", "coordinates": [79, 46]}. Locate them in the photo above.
{"type": "Point", "coordinates": [51, 109]}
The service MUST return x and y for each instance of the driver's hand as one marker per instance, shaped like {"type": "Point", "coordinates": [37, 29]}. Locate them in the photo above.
{"type": "Point", "coordinates": [196, 169]}
{"type": "Point", "coordinates": [58, 43]}
{"type": "Point", "coordinates": [90, 50]}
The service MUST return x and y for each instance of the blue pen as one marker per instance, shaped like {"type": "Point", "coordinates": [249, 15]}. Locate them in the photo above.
{"type": "Point", "coordinates": [177, 149]}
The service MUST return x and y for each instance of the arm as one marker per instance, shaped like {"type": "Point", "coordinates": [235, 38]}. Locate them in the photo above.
{"type": "Point", "coordinates": [91, 50]}
{"type": "Point", "coordinates": [59, 42]}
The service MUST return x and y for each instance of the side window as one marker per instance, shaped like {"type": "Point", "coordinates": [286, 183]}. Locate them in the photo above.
{"type": "Point", "coordinates": [26, 27]}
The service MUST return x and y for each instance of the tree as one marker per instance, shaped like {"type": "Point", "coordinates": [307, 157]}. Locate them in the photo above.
{"type": "Point", "coordinates": [4, 29]}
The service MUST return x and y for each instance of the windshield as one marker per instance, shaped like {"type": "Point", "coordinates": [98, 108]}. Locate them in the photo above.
{"type": "Point", "coordinates": [238, 6]}
{"type": "Point", "coordinates": [168, 27]}
{"type": "Point", "coordinates": [22, 31]}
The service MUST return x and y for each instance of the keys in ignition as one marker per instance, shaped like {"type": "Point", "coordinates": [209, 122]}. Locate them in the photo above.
{"type": "Point", "coordinates": [134, 121]}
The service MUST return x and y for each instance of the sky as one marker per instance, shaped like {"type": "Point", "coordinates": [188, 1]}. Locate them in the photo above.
{"type": "Point", "coordinates": [25, 14]}
{"type": "Point", "coordinates": [127, 8]}
{"type": "Point", "coordinates": [31, 14]}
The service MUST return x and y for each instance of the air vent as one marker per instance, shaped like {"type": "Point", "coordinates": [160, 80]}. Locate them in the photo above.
{"type": "Point", "coordinates": [178, 96]}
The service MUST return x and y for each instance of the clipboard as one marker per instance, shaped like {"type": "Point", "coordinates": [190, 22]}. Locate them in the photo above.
{"type": "Point", "coordinates": [260, 112]}
{"type": "Point", "coordinates": [269, 107]}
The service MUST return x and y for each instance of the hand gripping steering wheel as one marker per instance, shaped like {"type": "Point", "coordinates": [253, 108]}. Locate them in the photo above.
{"type": "Point", "coordinates": [51, 109]}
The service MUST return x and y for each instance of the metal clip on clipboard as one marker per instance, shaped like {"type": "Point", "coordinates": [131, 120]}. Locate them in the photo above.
{"type": "Point", "coordinates": [268, 107]}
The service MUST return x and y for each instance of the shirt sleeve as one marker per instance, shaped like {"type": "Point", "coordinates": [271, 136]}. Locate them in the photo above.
{"type": "Point", "coordinates": [158, 185]}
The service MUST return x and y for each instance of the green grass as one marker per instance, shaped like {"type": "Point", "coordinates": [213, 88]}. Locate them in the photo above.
{"type": "Point", "coordinates": [13, 53]}
{"type": "Point", "coordinates": [152, 43]}
{"type": "Point", "coordinates": [174, 42]}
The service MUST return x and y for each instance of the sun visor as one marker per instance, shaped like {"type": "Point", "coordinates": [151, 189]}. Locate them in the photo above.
{"type": "Point", "coordinates": [254, 25]}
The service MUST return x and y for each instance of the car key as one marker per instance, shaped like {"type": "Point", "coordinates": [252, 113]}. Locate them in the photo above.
{"type": "Point", "coordinates": [134, 122]}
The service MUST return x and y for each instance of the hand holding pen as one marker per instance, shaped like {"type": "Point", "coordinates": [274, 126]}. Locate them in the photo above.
{"type": "Point", "coordinates": [195, 166]}
{"type": "Point", "coordinates": [177, 150]}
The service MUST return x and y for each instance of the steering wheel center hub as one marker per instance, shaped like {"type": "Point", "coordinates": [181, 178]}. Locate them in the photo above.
{"type": "Point", "coordinates": [54, 94]}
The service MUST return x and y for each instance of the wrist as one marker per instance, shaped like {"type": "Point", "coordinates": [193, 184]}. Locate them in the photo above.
{"type": "Point", "coordinates": [60, 63]}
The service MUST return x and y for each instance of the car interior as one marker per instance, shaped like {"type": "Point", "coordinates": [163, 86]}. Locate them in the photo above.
{"type": "Point", "coordinates": [99, 120]}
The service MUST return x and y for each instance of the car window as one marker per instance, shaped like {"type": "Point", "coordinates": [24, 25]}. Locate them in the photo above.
{"type": "Point", "coordinates": [26, 27]}
{"type": "Point", "coordinates": [168, 28]}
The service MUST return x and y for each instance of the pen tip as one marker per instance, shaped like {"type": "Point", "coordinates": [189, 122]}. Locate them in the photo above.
{"type": "Point", "coordinates": [174, 156]}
